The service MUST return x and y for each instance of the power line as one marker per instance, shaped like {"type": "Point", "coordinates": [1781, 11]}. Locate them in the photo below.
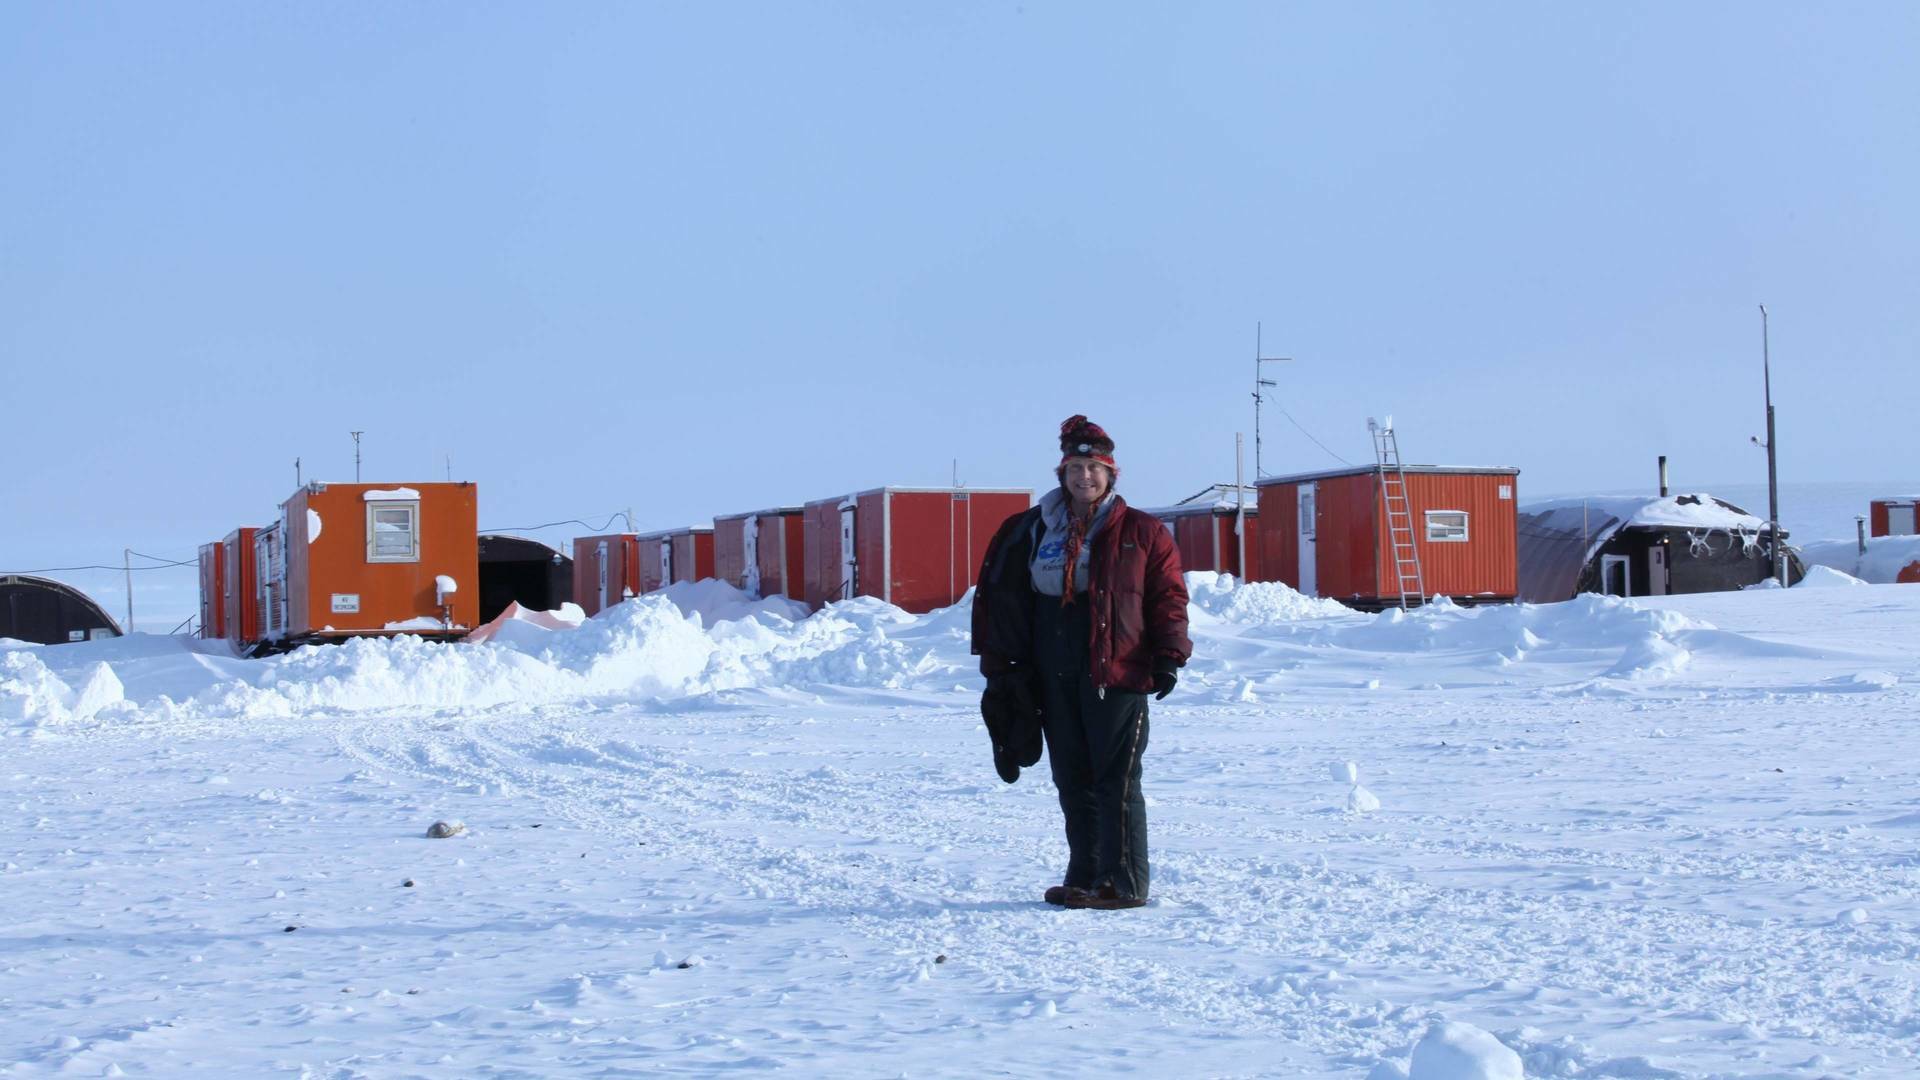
{"type": "Point", "coordinates": [170, 562]}
{"type": "Point", "coordinates": [163, 565]}
{"type": "Point", "coordinates": [570, 521]}
{"type": "Point", "coordinates": [64, 569]}
{"type": "Point", "coordinates": [1309, 435]}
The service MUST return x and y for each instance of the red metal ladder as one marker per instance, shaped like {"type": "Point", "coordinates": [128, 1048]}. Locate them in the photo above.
{"type": "Point", "coordinates": [1393, 496]}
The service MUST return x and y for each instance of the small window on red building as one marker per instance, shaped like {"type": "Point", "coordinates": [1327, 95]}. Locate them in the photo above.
{"type": "Point", "coordinates": [1447, 526]}
{"type": "Point", "coordinates": [393, 532]}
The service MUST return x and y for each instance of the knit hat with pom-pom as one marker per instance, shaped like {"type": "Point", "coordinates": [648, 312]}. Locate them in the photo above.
{"type": "Point", "coordinates": [1082, 438]}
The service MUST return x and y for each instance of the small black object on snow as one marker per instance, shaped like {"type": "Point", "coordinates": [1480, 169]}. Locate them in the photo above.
{"type": "Point", "coordinates": [535, 825]}
{"type": "Point", "coordinates": [407, 884]}
{"type": "Point", "coordinates": [683, 965]}
{"type": "Point", "coordinates": [440, 830]}
{"type": "Point", "coordinates": [941, 959]}
{"type": "Point", "coordinates": [289, 929]}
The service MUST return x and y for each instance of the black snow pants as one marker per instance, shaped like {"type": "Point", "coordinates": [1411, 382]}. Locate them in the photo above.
{"type": "Point", "coordinates": [1094, 744]}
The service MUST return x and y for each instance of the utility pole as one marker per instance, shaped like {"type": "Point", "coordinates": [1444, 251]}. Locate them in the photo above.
{"type": "Point", "coordinates": [1240, 507]}
{"type": "Point", "coordinates": [356, 456]}
{"type": "Point", "coordinates": [297, 481]}
{"type": "Point", "coordinates": [126, 560]}
{"type": "Point", "coordinates": [1260, 383]}
{"type": "Point", "coordinates": [1773, 475]}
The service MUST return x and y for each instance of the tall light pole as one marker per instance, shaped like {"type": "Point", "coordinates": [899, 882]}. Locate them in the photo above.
{"type": "Point", "coordinates": [1260, 383]}
{"type": "Point", "coordinates": [1773, 474]}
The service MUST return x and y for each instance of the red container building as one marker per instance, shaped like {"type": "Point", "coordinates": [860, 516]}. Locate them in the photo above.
{"type": "Point", "coordinates": [1327, 534]}
{"type": "Point", "coordinates": [671, 556]}
{"type": "Point", "coordinates": [1205, 528]}
{"type": "Point", "coordinates": [213, 590]}
{"type": "Point", "coordinates": [239, 590]}
{"type": "Point", "coordinates": [762, 553]}
{"type": "Point", "coordinates": [916, 548]}
{"type": "Point", "coordinates": [1893, 516]}
{"type": "Point", "coordinates": [606, 570]}
{"type": "Point", "coordinates": [353, 560]}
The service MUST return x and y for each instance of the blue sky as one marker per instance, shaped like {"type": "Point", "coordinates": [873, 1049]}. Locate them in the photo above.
{"type": "Point", "coordinates": [699, 258]}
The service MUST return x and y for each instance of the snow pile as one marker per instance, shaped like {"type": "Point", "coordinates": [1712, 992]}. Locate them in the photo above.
{"type": "Point", "coordinates": [1883, 562]}
{"type": "Point", "coordinates": [1457, 1051]}
{"type": "Point", "coordinates": [714, 602]}
{"type": "Point", "coordinates": [1256, 603]}
{"type": "Point", "coordinates": [32, 696]}
{"type": "Point", "coordinates": [1590, 626]}
{"type": "Point", "coordinates": [527, 627]}
{"type": "Point", "coordinates": [1825, 577]}
{"type": "Point", "coordinates": [706, 638]}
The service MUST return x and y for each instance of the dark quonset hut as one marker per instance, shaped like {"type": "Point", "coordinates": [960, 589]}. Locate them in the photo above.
{"type": "Point", "coordinates": [48, 612]}
{"type": "Point", "coordinates": [1206, 529]}
{"type": "Point", "coordinates": [514, 569]}
{"type": "Point", "coordinates": [1643, 546]}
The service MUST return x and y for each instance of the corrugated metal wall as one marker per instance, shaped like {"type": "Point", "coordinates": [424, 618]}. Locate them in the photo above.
{"type": "Point", "coordinates": [730, 549]}
{"type": "Point", "coordinates": [1487, 564]}
{"type": "Point", "coordinates": [1275, 541]}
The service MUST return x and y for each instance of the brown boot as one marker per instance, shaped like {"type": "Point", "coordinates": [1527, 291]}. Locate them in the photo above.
{"type": "Point", "coordinates": [1102, 899]}
{"type": "Point", "coordinates": [1064, 895]}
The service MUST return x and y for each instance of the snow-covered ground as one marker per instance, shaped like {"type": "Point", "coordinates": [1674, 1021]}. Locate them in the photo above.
{"type": "Point", "coordinates": [1658, 838]}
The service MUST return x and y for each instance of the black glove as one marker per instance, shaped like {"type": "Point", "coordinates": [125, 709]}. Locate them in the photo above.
{"type": "Point", "coordinates": [1163, 683]}
{"type": "Point", "coordinates": [1013, 722]}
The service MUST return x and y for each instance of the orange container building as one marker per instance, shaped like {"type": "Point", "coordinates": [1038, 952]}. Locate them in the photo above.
{"type": "Point", "coordinates": [213, 590]}
{"type": "Point", "coordinates": [606, 570]}
{"type": "Point", "coordinates": [671, 556]}
{"type": "Point", "coordinates": [1327, 534]}
{"type": "Point", "coordinates": [762, 553]}
{"type": "Point", "coordinates": [352, 560]}
{"type": "Point", "coordinates": [1893, 516]}
{"type": "Point", "coordinates": [1205, 529]}
{"type": "Point", "coordinates": [239, 590]}
{"type": "Point", "coordinates": [916, 548]}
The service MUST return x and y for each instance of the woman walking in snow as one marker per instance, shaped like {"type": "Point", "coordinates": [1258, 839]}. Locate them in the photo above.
{"type": "Point", "coordinates": [1079, 615]}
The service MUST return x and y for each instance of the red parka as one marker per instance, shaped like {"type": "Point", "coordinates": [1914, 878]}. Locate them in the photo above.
{"type": "Point", "coordinates": [1138, 598]}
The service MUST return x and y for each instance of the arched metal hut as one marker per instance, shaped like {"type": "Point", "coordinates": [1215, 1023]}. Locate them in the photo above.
{"type": "Point", "coordinates": [49, 612]}
{"type": "Point", "coordinates": [514, 569]}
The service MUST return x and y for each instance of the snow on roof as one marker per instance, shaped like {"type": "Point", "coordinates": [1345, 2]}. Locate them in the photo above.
{"type": "Point", "coordinates": [1215, 499]}
{"type": "Point", "coordinates": [1698, 510]}
{"type": "Point", "coordinates": [1356, 470]}
{"type": "Point", "coordinates": [380, 494]}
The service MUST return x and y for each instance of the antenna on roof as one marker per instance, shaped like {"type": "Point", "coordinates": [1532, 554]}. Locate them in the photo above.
{"type": "Point", "coordinates": [297, 482]}
{"type": "Point", "coordinates": [1259, 385]}
{"type": "Point", "coordinates": [356, 455]}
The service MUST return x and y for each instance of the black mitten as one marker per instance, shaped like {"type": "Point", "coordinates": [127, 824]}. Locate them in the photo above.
{"type": "Point", "coordinates": [1164, 681]}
